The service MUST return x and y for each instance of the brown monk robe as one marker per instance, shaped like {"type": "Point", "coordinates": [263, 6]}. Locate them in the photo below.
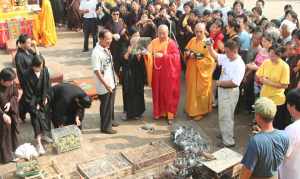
{"type": "Point", "coordinates": [8, 115]}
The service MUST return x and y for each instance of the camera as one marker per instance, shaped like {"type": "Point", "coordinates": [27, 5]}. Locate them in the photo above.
{"type": "Point", "coordinates": [208, 41]}
{"type": "Point", "coordinates": [198, 56]}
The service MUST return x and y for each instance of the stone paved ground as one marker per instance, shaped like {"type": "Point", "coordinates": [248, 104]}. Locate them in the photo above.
{"type": "Point", "coordinates": [76, 65]}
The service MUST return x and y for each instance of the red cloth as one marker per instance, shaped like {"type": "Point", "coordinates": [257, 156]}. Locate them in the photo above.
{"type": "Point", "coordinates": [216, 38]}
{"type": "Point", "coordinates": [166, 81]}
{"type": "Point", "coordinates": [12, 28]}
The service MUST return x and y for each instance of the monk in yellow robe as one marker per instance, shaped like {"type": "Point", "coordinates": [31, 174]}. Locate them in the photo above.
{"type": "Point", "coordinates": [200, 66]}
{"type": "Point", "coordinates": [163, 69]}
{"type": "Point", "coordinates": [47, 31]}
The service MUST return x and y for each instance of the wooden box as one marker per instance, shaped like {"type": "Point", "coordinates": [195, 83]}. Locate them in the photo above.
{"type": "Point", "coordinates": [112, 166]}
{"type": "Point", "coordinates": [26, 169]}
{"type": "Point", "coordinates": [66, 138]}
{"type": "Point", "coordinates": [47, 171]}
{"type": "Point", "coordinates": [150, 155]}
{"type": "Point", "coordinates": [227, 163]}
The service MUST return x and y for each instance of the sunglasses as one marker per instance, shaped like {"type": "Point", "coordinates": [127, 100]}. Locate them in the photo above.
{"type": "Point", "coordinates": [115, 14]}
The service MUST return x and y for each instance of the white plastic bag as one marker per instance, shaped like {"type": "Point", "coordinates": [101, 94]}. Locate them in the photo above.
{"type": "Point", "coordinates": [26, 151]}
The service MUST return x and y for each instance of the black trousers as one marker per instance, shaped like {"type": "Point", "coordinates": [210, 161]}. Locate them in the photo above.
{"type": "Point", "coordinates": [107, 102]}
{"type": "Point", "coordinates": [24, 108]}
{"type": "Point", "coordinates": [40, 121]}
{"type": "Point", "coordinates": [249, 94]}
{"type": "Point", "coordinates": [89, 27]}
{"type": "Point", "coordinates": [282, 117]}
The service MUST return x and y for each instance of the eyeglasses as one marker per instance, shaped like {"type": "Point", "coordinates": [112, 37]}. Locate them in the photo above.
{"type": "Point", "coordinates": [115, 14]}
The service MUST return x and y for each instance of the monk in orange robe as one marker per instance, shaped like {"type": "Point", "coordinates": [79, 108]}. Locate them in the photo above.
{"type": "Point", "coordinates": [47, 30]}
{"type": "Point", "coordinates": [163, 70]}
{"type": "Point", "coordinates": [200, 66]}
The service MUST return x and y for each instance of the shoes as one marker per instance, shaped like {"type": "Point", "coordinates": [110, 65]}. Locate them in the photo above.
{"type": "Point", "coordinates": [14, 158]}
{"type": "Point", "coordinates": [109, 131]}
{"type": "Point", "coordinates": [85, 50]}
{"type": "Point", "coordinates": [115, 124]}
{"type": "Point", "coordinates": [221, 145]}
{"type": "Point", "coordinates": [124, 117]}
{"type": "Point", "coordinates": [215, 104]}
{"type": "Point", "coordinates": [41, 150]}
{"type": "Point", "coordinates": [197, 118]}
{"type": "Point", "coordinates": [139, 117]}
{"type": "Point", "coordinates": [170, 122]}
{"type": "Point", "coordinates": [47, 139]}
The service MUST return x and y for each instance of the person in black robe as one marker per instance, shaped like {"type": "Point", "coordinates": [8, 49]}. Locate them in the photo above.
{"type": "Point", "coordinates": [164, 18]}
{"type": "Point", "coordinates": [146, 26]}
{"type": "Point", "coordinates": [8, 115]}
{"type": "Point", "coordinates": [184, 29]}
{"type": "Point", "coordinates": [58, 9]}
{"type": "Point", "coordinates": [134, 15]}
{"type": "Point", "coordinates": [68, 103]}
{"type": "Point", "coordinates": [23, 60]}
{"type": "Point", "coordinates": [73, 15]}
{"type": "Point", "coordinates": [117, 27]}
{"type": "Point", "coordinates": [36, 89]}
{"type": "Point", "coordinates": [134, 79]}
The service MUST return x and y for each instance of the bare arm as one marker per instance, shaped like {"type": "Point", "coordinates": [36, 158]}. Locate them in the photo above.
{"type": "Point", "coordinates": [212, 52]}
{"type": "Point", "coordinates": [226, 84]}
{"type": "Point", "coordinates": [245, 173]}
{"type": "Point", "coordinates": [101, 79]}
{"type": "Point", "coordinates": [221, 46]}
{"type": "Point", "coordinates": [267, 81]}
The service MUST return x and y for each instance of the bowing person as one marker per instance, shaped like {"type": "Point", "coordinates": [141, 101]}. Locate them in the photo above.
{"type": "Point", "coordinates": [68, 103]}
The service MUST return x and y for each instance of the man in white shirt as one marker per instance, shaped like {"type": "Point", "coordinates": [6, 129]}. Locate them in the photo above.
{"type": "Point", "coordinates": [88, 9]}
{"type": "Point", "coordinates": [106, 80]}
{"type": "Point", "coordinates": [289, 169]}
{"type": "Point", "coordinates": [233, 70]}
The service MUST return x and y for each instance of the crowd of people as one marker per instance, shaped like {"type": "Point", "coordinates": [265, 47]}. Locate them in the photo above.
{"type": "Point", "coordinates": [233, 58]}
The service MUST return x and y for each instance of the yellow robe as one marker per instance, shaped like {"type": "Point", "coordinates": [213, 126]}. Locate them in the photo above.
{"type": "Point", "coordinates": [199, 81]}
{"type": "Point", "coordinates": [47, 32]}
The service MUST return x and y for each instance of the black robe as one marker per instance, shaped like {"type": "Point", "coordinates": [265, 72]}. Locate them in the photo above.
{"type": "Point", "coordinates": [58, 10]}
{"type": "Point", "coordinates": [8, 133]}
{"type": "Point", "coordinates": [35, 92]}
{"type": "Point", "coordinates": [23, 60]}
{"type": "Point", "coordinates": [64, 108]}
{"type": "Point", "coordinates": [116, 28]}
{"type": "Point", "coordinates": [134, 79]}
{"type": "Point", "coordinates": [183, 35]}
{"type": "Point", "coordinates": [294, 76]}
{"type": "Point", "coordinates": [132, 18]}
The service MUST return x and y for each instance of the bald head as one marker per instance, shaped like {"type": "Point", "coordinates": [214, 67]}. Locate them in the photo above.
{"type": "Point", "coordinates": [163, 27]}
{"type": "Point", "coordinates": [200, 30]}
{"type": "Point", "coordinates": [200, 26]}
{"type": "Point", "coordinates": [163, 32]}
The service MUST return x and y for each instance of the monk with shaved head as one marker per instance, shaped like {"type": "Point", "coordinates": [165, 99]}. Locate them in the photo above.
{"type": "Point", "coordinates": [163, 70]}
{"type": "Point", "coordinates": [200, 66]}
